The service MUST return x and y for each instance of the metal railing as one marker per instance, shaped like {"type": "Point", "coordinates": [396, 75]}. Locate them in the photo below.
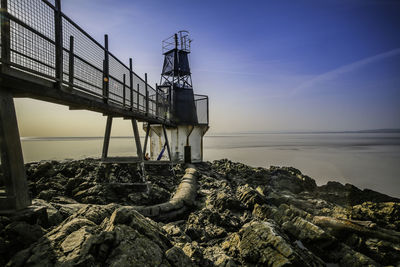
{"type": "Point", "coordinates": [201, 103]}
{"type": "Point", "coordinates": [37, 38]}
{"type": "Point", "coordinates": [180, 41]}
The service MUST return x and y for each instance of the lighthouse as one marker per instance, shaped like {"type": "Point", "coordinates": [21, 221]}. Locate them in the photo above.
{"type": "Point", "coordinates": [188, 111]}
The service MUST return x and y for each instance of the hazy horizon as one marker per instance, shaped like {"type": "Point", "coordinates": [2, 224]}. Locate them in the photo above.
{"type": "Point", "coordinates": [383, 131]}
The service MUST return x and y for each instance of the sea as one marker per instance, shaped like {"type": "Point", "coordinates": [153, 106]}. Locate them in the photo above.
{"type": "Point", "coordinates": [366, 160]}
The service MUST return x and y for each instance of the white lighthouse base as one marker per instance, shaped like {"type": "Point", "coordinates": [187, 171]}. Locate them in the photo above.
{"type": "Point", "coordinates": [178, 138]}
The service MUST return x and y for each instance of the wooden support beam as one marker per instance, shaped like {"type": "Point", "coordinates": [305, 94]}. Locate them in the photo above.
{"type": "Point", "coordinates": [139, 149]}
{"type": "Point", "coordinates": [11, 155]}
{"type": "Point", "coordinates": [107, 136]}
{"type": "Point", "coordinates": [146, 139]}
{"type": "Point", "coordinates": [137, 140]}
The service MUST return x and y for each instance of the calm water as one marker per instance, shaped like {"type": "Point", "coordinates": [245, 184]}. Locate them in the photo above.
{"type": "Point", "coordinates": [366, 160]}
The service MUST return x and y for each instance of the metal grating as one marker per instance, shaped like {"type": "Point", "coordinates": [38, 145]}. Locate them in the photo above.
{"type": "Point", "coordinates": [84, 46]}
{"type": "Point", "coordinates": [31, 51]}
{"type": "Point", "coordinates": [35, 13]}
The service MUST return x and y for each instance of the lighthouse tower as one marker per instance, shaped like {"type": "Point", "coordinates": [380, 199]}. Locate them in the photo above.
{"type": "Point", "coordinates": [189, 111]}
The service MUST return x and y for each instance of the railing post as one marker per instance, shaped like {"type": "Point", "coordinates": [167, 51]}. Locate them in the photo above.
{"type": "Point", "coordinates": [58, 43]}
{"type": "Point", "coordinates": [131, 82]}
{"type": "Point", "coordinates": [170, 109]}
{"type": "Point", "coordinates": [147, 94]}
{"type": "Point", "coordinates": [176, 40]}
{"type": "Point", "coordinates": [138, 97]}
{"type": "Point", "coordinates": [124, 90]}
{"type": "Point", "coordinates": [71, 62]}
{"type": "Point", "coordinates": [5, 34]}
{"type": "Point", "coordinates": [166, 108]}
{"type": "Point", "coordinates": [157, 98]}
{"type": "Point", "coordinates": [106, 70]}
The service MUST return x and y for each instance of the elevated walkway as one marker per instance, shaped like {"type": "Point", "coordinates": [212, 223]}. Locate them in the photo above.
{"type": "Point", "coordinates": [46, 56]}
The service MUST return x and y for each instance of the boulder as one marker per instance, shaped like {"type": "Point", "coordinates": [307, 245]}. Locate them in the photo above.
{"type": "Point", "coordinates": [122, 238]}
{"type": "Point", "coordinates": [385, 214]}
{"type": "Point", "coordinates": [248, 196]}
{"type": "Point", "coordinates": [261, 243]}
{"type": "Point", "coordinates": [350, 195]}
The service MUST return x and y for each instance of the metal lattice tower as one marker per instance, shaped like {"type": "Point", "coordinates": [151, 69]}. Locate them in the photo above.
{"type": "Point", "coordinates": [176, 69]}
{"type": "Point", "coordinates": [176, 78]}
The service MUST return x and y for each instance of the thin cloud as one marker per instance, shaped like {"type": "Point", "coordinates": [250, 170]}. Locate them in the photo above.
{"type": "Point", "coordinates": [344, 69]}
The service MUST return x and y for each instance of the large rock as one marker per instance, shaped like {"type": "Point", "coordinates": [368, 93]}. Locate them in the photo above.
{"type": "Point", "coordinates": [262, 244]}
{"type": "Point", "coordinates": [350, 195]}
{"type": "Point", "coordinates": [385, 214]}
{"type": "Point", "coordinates": [249, 196]}
{"type": "Point", "coordinates": [123, 238]}
{"type": "Point", "coordinates": [291, 179]}
{"type": "Point", "coordinates": [18, 235]}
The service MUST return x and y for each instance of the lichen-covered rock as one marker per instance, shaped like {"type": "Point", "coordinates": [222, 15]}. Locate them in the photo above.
{"type": "Point", "coordinates": [385, 214]}
{"type": "Point", "coordinates": [176, 233]}
{"type": "Point", "coordinates": [261, 243]}
{"type": "Point", "coordinates": [223, 199]}
{"type": "Point", "coordinates": [348, 257]}
{"type": "Point", "coordinates": [207, 224]}
{"type": "Point", "coordinates": [196, 253]}
{"type": "Point", "coordinates": [311, 236]}
{"type": "Point", "coordinates": [249, 196]}
{"type": "Point", "coordinates": [217, 257]}
{"type": "Point", "coordinates": [123, 238]}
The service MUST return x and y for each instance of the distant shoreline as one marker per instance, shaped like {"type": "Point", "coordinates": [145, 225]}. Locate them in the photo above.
{"type": "Point", "coordinates": [75, 138]}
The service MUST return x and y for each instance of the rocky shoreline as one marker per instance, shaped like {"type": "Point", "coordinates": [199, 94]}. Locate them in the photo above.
{"type": "Point", "coordinates": [241, 216]}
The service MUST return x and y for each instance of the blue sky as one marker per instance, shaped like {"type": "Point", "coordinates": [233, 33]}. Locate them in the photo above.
{"type": "Point", "coordinates": [266, 65]}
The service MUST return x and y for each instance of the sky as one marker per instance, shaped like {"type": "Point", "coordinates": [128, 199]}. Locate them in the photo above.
{"type": "Point", "coordinates": [265, 65]}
